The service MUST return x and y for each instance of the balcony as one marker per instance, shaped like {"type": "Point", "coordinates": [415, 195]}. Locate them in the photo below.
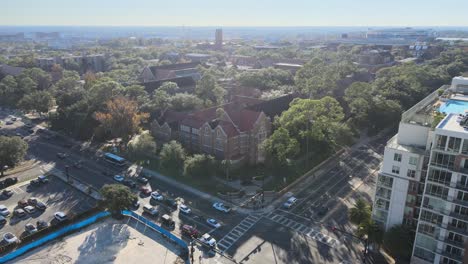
{"type": "Point", "coordinates": [449, 255]}
{"type": "Point", "coordinates": [457, 201]}
{"type": "Point", "coordinates": [462, 231]}
{"type": "Point", "coordinates": [459, 216]}
{"type": "Point", "coordinates": [460, 186]}
{"type": "Point", "coordinates": [437, 209]}
{"type": "Point", "coordinates": [460, 244]}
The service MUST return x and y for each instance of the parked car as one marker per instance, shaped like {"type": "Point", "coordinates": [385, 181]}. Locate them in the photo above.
{"type": "Point", "coordinates": [7, 193]}
{"type": "Point", "coordinates": [145, 190]}
{"type": "Point", "coordinates": [171, 203]}
{"type": "Point", "coordinates": [129, 183]}
{"type": "Point", "coordinates": [43, 179]}
{"type": "Point", "coordinates": [167, 221]}
{"type": "Point", "coordinates": [157, 196]}
{"type": "Point", "coordinates": [10, 181]}
{"type": "Point", "coordinates": [78, 164]}
{"type": "Point", "coordinates": [118, 178]}
{"type": "Point", "coordinates": [208, 241]}
{"type": "Point", "coordinates": [30, 209]}
{"type": "Point", "coordinates": [40, 205]}
{"type": "Point", "coordinates": [290, 202]}
{"type": "Point", "coordinates": [142, 180]}
{"type": "Point", "coordinates": [213, 223]}
{"type": "Point", "coordinates": [221, 207]}
{"type": "Point", "coordinates": [2, 220]}
{"type": "Point", "coordinates": [19, 212]}
{"type": "Point", "coordinates": [190, 231]}
{"type": "Point", "coordinates": [41, 224]}
{"type": "Point", "coordinates": [34, 182]}
{"type": "Point", "coordinates": [9, 122]}
{"type": "Point", "coordinates": [10, 238]}
{"type": "Point", "coordinates": [147, 208]}
{"type": "Point", "coordinates": [60, 216]}
{"type": "Point", "coordinates": [30, 228]}
{"type": "Point", "coordinates": [22, 203]}
{"type": "Point", "coordinates": [32, 201]}
{"type": "Point", "coordinates": [184, 209]}
{"type": "Point", "coordinates": [4, 210]}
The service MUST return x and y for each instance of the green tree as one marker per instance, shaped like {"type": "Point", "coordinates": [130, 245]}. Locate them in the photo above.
{"type": "Point", "coordinates": [398, 241]}
{"type": "Point", "coordinates": [185, 102]}
{"type": "Point", "coordinates": [117, 197]}
{"type": "Point", "coordinates": [280, 147]}
{"type": "Point", "coordinates": [142, 146]}
{"type": "Point", "coordinates": [8, 87]}
{"type": "Point", "coordinates": [268, 78]}
{"type": "Point", "coordinates": [12, 151]}
{"type": "Point", "coordinates": [39, 101]}
{"type": "Point", "coordinates": [172, 156]}
{"type": "Point", "coordinates": [199, 166]}
{"type": "Point", "coordinates": [360, 213]}
{"type": "Point", "coordinates": [39, 76]}
{"type": "Point", "coordinates": [169, 87]}
{"type": "Point", "coordinates": [209, 90]}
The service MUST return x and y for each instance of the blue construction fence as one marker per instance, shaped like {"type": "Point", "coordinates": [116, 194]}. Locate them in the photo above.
{"type": "Point", "coordinates": [67, 229]}
{"type": "Point", "coordinates": [157, 228]}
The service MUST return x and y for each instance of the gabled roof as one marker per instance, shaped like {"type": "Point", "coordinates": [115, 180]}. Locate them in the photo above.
{"type": "Point", "coordinates": [10, 70]}
{"type": "Point", "coordinates": [274, 107]}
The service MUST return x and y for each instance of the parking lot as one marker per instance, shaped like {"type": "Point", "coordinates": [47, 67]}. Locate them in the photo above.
{"type": "Point", "coordinates": [56, 195]}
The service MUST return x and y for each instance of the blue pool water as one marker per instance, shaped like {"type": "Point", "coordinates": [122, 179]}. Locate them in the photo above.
{"type": "Point", "coordinates": [454, 107]}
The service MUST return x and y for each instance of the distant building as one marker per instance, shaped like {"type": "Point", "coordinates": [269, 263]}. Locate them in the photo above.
{"type": "Point", "coordinates": [197, 57]}
{"type": "Point", "coordinates": [219, 39]}
{"type": "Point", "coordinates": [12, 37]}
{"type": "Point", "coordinates": [291, 67]}
{"type": "Point", "coordinates": [6, 70]}
{"type": "Point", "coordinates": [399, 33]}
{"type": "Point", "coordinates": [163, 72]}
{"type": "Point", "coordinates": [375, 57]}
{"type": "Point", "coordinates": [266, 47]}
{"type": "Point", "coordinates": [94, 63]}
{"type": "Point", "coordinates": [233, 131]}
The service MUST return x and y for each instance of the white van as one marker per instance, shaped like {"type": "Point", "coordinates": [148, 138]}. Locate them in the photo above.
{"type": "Point", "coordinates": [147, 208]}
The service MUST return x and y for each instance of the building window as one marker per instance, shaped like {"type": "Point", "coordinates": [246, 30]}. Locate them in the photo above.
{"type": "Point", "coordinates": [458, 224]}
{"type": "Point", "coordinates": [385, 181]}
{"type": "Point", "coordinates": [396, 169]}
{"type": "Point", "coordinates": [449, 261]}
{"type": "Point", "coordinates": [462, 196]}
{"type": "Point", "coordinates": [195, 131]}
{"type": "Point", "coordinates": [413, 161]}
{"type": "Point", "coordinates": [436, 190]}
{"type": "Point", "coordinates": [461, 210]}
{"type": "Point", "coordinates": [454, 144]}
{"type": "Point", "coordinates": [441, 141]}
{"type": "Point", "coordinates": [397, 157]}
{"type": "Point", "coordinates": [453, 250]}
{"type": "Point", "coordinates": [411, 173]}
{"type": "Point", "coordinates": [440, 176]}
{"type": "Point", "coordinates": [431, 217]}
{"type": "Point", "coordinates": [443, 160]}
{"type": "Point", "coordinates": [382, 204]}
{"type": "Point", "coordinates": [426, 229]}
{"type": "Point", "coordinates": [185, 128]}
{"type": "Point", "coordinates": [465, 146]}
{"type": "Point", "coordinates": [464, 181]}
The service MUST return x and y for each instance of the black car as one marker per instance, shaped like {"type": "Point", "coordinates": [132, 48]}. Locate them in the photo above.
{"type": "Point", "coordinates": [142, 180]}
{"type": "Point", "coordinates": [2, 220]}
{"type": "Point", "coordinates": [41, 224]}
{"type": "Point", "coordinates": [10, 181]}
{"type": "Point", "coordinates": [7, 193]}
{"type": "Point", "coordinates": [129, 183]}
{"type": "Point", "coordinates": [34, 182]}
{"type": "Point", "coordinates": [40, 205]}
{"type": "Point", "coordinates": [171, 203]}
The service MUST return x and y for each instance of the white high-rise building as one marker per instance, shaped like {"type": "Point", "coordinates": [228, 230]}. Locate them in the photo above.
{"type": "Point", "coordinates": [423, 182]}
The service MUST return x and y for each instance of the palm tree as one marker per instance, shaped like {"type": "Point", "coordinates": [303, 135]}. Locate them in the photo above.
{"type": "Point", "coordinates": [360, 213]}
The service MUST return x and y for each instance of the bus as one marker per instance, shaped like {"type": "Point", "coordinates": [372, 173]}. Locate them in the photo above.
{"type": "Point", "coordinates": [114, 159]}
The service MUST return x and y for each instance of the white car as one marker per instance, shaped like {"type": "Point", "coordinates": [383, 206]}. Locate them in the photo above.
{"type": "Point", "coordinates": [290, 202]}
{"type": "Point", "coordinates": [60, 216]}
{"type": "Point", "coordinates": [10, 238]}
{"type": "Point", "coordinates": [147, 208]}
{"type": "Point", "coordinates": [221, 207]}
{"type": "Point", "coordinates": [119, 178]}
{"type": "Point", "coordinates": [4, 210]}
{"type": "Point", "coordinates": [30, 228]}
{"type": "Point", "coordinates": [30, 209]}
{"type": "Point", "coordinates": [213, 223]}
{"type": "Point", "coordinates": [156, 196]}
{"type": "Point", "coordinates": [184, 209]}
{"type": "Point", "coordinates": [207, 240]}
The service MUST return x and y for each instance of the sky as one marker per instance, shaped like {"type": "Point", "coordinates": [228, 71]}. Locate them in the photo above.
{"type": "Point", "coordinates": [235, 12]}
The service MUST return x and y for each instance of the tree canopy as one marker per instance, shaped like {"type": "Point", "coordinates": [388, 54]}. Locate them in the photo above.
{"type": "Point", "coordinates": [172, 156]}
{"type": "Point", "coordinates": [12, 150]}
{"type": "Point", "coordinates": [117, 197]}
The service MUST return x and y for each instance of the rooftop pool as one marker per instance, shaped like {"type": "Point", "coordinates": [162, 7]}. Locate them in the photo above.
{"type": "Point", "coordinates": [454, 107]}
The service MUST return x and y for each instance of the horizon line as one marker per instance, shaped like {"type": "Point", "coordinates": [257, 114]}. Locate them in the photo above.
{"type": "Point", "coordinates": [232, 26]}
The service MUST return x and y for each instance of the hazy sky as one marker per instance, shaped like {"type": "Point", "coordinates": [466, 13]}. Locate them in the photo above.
{"type": "Point", "coordinates": [235, 12]}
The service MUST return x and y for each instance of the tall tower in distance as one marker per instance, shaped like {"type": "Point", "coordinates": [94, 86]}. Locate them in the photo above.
{"type": "Point", "coordinates": [219, 39]}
